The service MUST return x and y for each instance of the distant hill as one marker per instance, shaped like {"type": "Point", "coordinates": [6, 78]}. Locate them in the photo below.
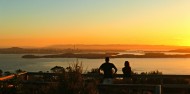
{"type": "Point", "coordinates": [187, 50]}
{"type": "Point", "coordinates": [18, 50]}
{"type": "Point", "coordinates": [118, 47]}
{"type": "Point", "coordinates": [103, 55]}
{"type": "Point", "coordinates": [56, 49]}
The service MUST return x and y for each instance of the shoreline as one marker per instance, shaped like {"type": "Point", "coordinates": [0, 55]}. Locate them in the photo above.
{"type": "Point", "coordinates": [111, 55]}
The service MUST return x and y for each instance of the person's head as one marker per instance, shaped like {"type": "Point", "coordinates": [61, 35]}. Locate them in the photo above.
{"type": "Point", "coordinates": [126, 63]}
{"type": "Point", "coordinates": [107, 59]}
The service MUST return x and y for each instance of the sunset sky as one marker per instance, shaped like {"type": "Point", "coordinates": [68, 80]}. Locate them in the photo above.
{"type": "Point", "coordinates": [47, 22]}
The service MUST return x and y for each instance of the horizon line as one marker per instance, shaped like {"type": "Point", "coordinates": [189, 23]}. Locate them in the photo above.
{"type": "Point", "coordinates": [95, 45]}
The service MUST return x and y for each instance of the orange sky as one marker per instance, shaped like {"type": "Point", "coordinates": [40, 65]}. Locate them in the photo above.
{"type": "Point", "coordinates": [41, 23]}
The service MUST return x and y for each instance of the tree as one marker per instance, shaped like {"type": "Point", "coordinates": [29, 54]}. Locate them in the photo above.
{"type": "Point", "coordinates": [58, 69]}
{"type": "Point", "coordinates": [19, 71]}
{"type": "Point", "coordinates": [7, 73]}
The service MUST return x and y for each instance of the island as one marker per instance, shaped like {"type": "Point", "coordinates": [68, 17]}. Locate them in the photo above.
{"type": "Point", "coordinates": [103, 55]}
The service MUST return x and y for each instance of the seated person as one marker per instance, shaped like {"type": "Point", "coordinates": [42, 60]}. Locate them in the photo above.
{"type": "Point", "coordinates": [126, 70]}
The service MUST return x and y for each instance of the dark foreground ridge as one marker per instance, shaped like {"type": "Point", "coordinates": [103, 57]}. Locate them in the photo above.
{"type": "Point", "coordinates": [74, 82]}
{"type": "Point", "coordinates": [112, 55]}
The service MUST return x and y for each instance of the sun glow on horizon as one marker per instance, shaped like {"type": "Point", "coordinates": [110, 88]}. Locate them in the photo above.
{"type": "Point", "coordinates": [42, 23]}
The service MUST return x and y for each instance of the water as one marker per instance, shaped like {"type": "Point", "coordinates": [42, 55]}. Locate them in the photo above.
{"type": "Point", "coordinates": [12, 62]}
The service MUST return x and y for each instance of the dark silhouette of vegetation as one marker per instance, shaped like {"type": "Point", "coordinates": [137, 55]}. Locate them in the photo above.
{"type": "Point", "coordinates": [19, 71]}
{"type": "Point", "coordinates": [145, 80]}
{"type": "Point", "coordinates": [69, 81]}
{"type": "Point", "coordinates": [6, 73]}
{"type": "Point", "coordinates": [73, 81]}
{"type": "Point", "coordinates": [58, 69]}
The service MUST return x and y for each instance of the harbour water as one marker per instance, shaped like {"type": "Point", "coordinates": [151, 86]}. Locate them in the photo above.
{"type": "Point", "coordinates": [12, 62]}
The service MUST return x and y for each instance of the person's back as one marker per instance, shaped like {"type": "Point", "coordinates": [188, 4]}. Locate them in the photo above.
{"type": "Point", "coordinates": [107, 68]}
{"type": "Point", "coordinates": [127, 69]}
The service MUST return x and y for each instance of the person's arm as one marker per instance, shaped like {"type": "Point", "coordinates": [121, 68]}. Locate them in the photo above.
{"type": "Point", "coordinates": [123, 70]}
{"type": "Point", "coordinates": [130, 70]}
{"type": "Point", "coordinates": [115, 68]}
{"type": "Point", "coordinates": [99, 69]}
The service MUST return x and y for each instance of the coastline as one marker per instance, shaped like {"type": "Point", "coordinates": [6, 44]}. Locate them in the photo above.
{"type": "Point", "coordinates": [111, 55]}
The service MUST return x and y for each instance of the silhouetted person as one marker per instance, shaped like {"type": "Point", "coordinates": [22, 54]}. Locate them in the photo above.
{"type": "Point", "coordinates": [126, 70]}
{"type": "Point", "coordinates": [107, 68]}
